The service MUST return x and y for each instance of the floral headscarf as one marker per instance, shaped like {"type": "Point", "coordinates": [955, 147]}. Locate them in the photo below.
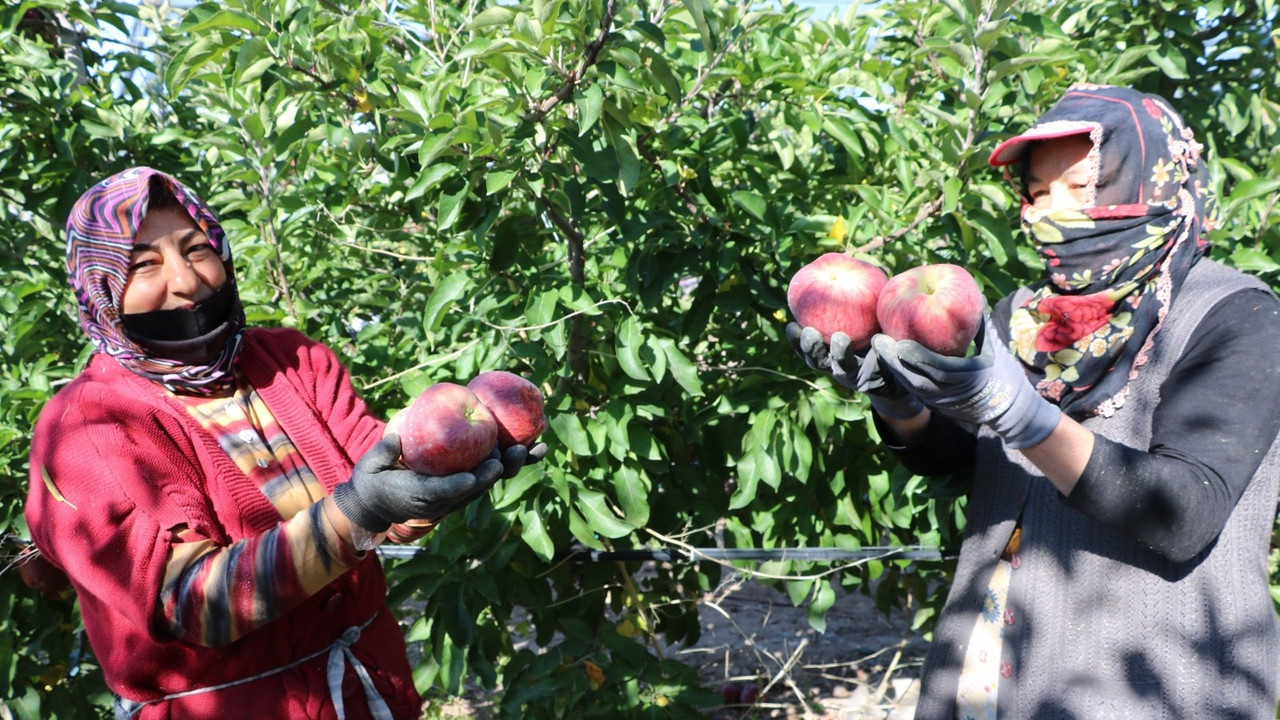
{"type": "Point", "coordinates": [100, 235]}
{"type": "Point", "coordinates": [1114, 266]}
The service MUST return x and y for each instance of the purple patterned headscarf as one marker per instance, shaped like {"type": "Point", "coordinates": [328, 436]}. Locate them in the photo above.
{"type": "Point", "coordinates": [100, 235]}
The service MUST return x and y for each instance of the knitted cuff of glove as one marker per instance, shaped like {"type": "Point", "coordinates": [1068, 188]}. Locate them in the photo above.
{"type": "Point", "coordinates": [1037, 419]}
{"type": "Point", "coordinates": [357, 511]}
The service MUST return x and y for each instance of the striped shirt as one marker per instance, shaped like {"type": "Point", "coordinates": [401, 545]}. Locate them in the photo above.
{"type": "Point", "coordinates": [214, 594]}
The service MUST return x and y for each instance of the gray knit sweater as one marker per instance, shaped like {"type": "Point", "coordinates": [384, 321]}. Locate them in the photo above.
{"type": "Point", "coordinates": [1101, 627]}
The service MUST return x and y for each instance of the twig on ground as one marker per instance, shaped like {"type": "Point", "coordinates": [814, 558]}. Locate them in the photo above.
{"type": "Point", "coordinates": [784, 674]}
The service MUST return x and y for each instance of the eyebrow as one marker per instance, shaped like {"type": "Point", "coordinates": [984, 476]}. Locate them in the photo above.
{"type": "Point", "coordinates": [142, 247]}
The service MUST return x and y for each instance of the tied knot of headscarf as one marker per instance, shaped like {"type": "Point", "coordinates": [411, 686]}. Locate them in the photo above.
{"type": "Point", "coordinates": [1113, 266]}
{"type": "Point", "coordinates": [101, 230]}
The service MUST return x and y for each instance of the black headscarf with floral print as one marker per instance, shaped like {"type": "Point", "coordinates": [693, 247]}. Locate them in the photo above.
{"type": "Point", "coordinates": [1114, 266]}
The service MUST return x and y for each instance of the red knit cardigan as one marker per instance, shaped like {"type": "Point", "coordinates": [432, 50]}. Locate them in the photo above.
{"type": "Point", "coordinates": [129, 464]}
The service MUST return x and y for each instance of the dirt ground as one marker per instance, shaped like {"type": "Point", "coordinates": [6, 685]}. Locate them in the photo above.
{"type": "Point", "coordinates": [863, 667]}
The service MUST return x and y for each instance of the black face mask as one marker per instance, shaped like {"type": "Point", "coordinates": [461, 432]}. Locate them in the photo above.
{"type": "Point", "coordinates": [193, 336]}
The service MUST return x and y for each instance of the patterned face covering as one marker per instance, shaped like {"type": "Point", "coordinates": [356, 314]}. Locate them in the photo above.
{"type": "Point", "coordinates": [100, 234]}
{"type": "Point", "coordinates": [1113, 266]}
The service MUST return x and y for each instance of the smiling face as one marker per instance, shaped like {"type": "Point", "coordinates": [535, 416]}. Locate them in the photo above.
{"type": "Point", "coordinates": [172, 265]}
{"type": "Point", "coordinates": [1059, 175]}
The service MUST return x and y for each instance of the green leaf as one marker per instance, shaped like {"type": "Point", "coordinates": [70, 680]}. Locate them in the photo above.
{"type": "Point", "coordinates": [497, 181]}
{"type": "Point", "coordinates": [998, 235]}
{"type": "Point", "coordinates": [656, 358]}
{"type": "Point", "coordinates": [698, 10]}
{"type": "Point", "coordinates": [429, 178]}
{"type": "Point", "coordinates": [568, 431]}
{"type": "Point", "coordinates": [589, 103]}
{"type": "Point", "coordinates": [767, 466]}
{"type": "Point", "coordinates": [188, 61]}
{"type": "Point", "coordinates": [951, 194]}
{"type": "Point", "coordinates": [495, 16]}
{"type": "Point", "coordinates": [798, 590]}
{"type": "Point", "coordinates": [628, 163]}
{"type": "Point", "coordinates": [504, 244]}
{"type": "Point", "coordinates": [824, 597]}
{"type": "Point", "coordinates": [1171, 62]}
{"type": "Point", "coordinates": [542, 307]}
{"type": "Point", "coordinates": [840, 129]}
{"type": "Point", "coordinates": [682, 368]}
{"type": "Point", "coordinates": [615, 420]}
{"type": "Point", "coordinates": [1250, 190]}
{"type": "Point", "coordinates": [444, 295]}
{"type": "Point", "coordinates": [595, 509]}
{"type": "Point", "coordinates": [652, 32]}
{"type": "Point", "coordinates": [412, 99]}
{"type": "Point", "coordinates": [629, 341]}
{"type": "Point", "coordinates": [663, 73]}
{"type": "Point", "coordinates": [437, 143]}
{"type": "Point", "coordinates": [960, 11]}
{"type": "Point", "coordinates": [748, 479]}
{"type": "Point", "coordinates": [632, 495]}
{"type": "Point", "coordinates": [533, 531]}
{"type": "Point", "coordinates": [1253, 261]}
{"type": "Point", "coordinates": [508, 492]}
{"type": "Point", "coordinates": [253, 60]}
{"type": "Point", "coordinates": [878, 485]}
{"type": "Point", "coordinates": [1005, 67]}
{"type": "Point", "coordinates": [449, 207]}
{"type": "Point", "coordinates": [231, 20]}
{"type": "Point", "coordinates": [750, 202]}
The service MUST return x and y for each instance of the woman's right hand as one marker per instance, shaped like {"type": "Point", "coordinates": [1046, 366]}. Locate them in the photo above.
{"type": "Point", "coordinates": [857, 372]}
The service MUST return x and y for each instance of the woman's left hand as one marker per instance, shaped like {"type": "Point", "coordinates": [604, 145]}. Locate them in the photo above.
{"type": "Point", "coordinates": [516, 457]}
{"type": "Point", "coordinates": [989, 388]}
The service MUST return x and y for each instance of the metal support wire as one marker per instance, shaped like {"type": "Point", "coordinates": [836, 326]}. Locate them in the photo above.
{"type": "Point", "coordinates": [927, 553]}
{"type": "Point", "coordinates": [668, 554]}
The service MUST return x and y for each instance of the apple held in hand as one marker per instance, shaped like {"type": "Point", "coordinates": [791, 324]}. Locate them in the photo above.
{"type": "Point", "coordinates": [42, 575]}
{"type": "Point", "coordinates": [515, 403]}
{"type": "Point", "coordinates": [939, 306]}
{"type": "Point", "coordinates": [446, 430]}
{"type": "Point", "coordinates": [837, 293]}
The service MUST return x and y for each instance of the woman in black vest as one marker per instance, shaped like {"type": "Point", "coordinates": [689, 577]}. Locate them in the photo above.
{"type": "Point", "coordinates": [1120, 417]}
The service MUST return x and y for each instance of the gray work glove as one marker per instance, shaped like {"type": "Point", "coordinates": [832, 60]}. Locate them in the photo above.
{"type": "Point", "coordinates": [382, 491]}
{"type": "Point", "coordinates": [989, 388]}
{"type": "Point", "coordinates": [862, 373]}
{"type": "Point", "coordinates": [517, 456]}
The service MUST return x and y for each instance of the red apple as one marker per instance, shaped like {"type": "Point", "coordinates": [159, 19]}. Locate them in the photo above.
{"type": "Point", "coordinates": [41, 575]}
{"type": "Point", "coordinates": [938, 306]}
{"type": "Point", "coordinates": [731, 692]}
{"type": "Point", "coordinates": [837, 293]}
{"type": "Point", "coordinates": [515, 403]}
{"type": "Point", "coordinates": [446, 430]}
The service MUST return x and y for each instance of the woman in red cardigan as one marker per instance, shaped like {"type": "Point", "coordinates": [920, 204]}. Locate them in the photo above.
{"type": "Point", "coordinates": [213, 491]}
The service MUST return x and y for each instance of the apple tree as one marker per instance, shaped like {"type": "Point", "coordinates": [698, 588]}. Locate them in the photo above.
{"type": "Point", "coordinates": [609, 199]}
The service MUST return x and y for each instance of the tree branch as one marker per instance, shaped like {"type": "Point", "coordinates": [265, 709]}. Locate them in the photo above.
{"type": "Point", "coordinates": [268, 230]}
{"type": "Point", "coordinates": [577, 350]}
{"type": "Point", "coordinates": [925, 212]}
{"type": "Point", "coordinates": [588, 59]}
